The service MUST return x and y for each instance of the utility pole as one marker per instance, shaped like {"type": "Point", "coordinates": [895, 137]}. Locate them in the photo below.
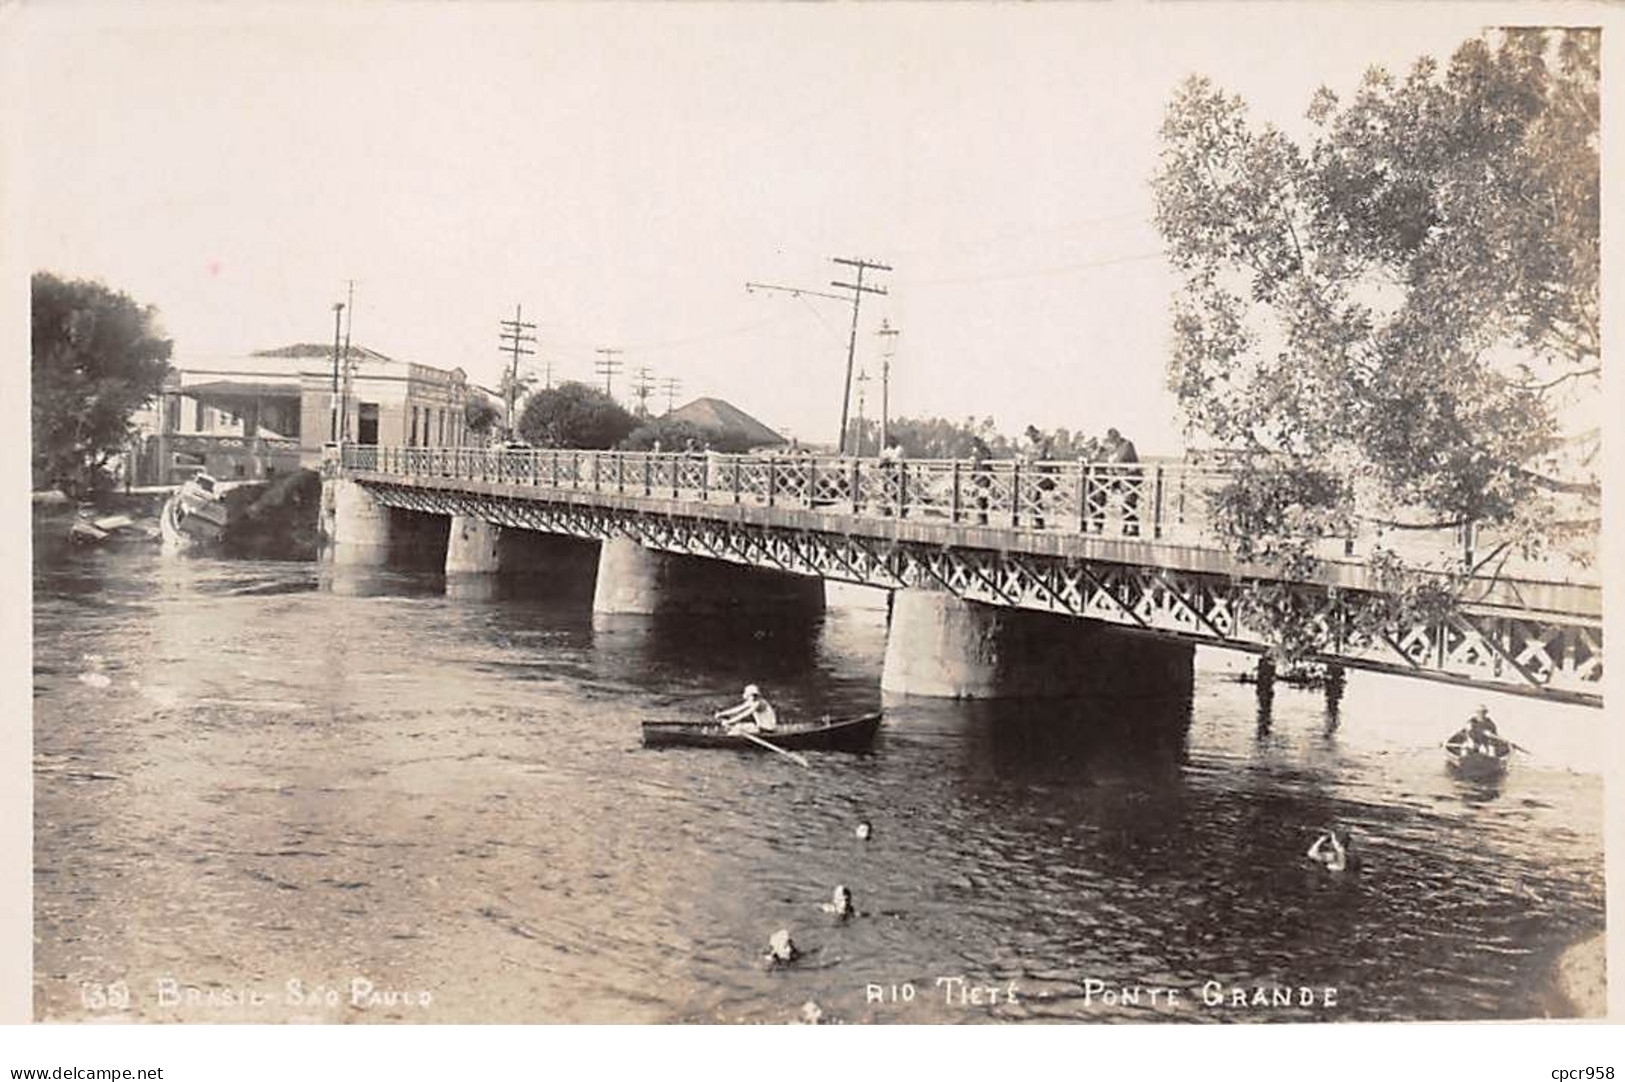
{"type": "Point", "coordinates": [514, 341]}
{"type": "Point", "coordinates": [672, 386]}
{"type": "Point", "coordinates": [858, 290]}
{"type": "Point", "coordinates": [338, 323]}
{"type": "Point", "coordinates": [888, 334]}
{"type": "Point", "coordinates": [607, 367]}
{"type": "Point", "coordinates": [642, 387]}
{"type": "Point", "coordinates": [547, 374]}
{"type": "Point", "coordinates": [857, 436]}
{"type": "Point", "coordinates": [349, 318]}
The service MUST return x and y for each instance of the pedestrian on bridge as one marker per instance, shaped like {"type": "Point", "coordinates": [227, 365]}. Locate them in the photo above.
{"type": "Point", "coordinates": [891, 473]}
{"type": "Point", "coordinates": [1036, 451]}
{"type": "Point", "coordinates": [1122, 482]}
{"type": "Point", "coordinates": [981, 478]}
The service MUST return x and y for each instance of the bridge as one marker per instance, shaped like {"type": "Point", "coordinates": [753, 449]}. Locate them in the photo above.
{"type": "Point", "coordinates": [1008, 579]}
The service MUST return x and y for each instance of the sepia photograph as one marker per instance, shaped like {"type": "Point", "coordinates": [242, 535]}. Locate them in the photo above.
{"type": "Point", "coordinates": [812, 514]}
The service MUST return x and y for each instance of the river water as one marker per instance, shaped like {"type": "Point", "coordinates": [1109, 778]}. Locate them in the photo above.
{"type": "Point", "coordinates": [261, 797]}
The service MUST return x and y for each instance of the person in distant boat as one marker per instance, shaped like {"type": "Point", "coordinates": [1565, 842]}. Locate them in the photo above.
{"type": "Point", "coordinates": [754, 715]}
{"type": "Point", "coordinates": [1479, 737]}
{"type": "Point", "coordinates": [1329, 852]}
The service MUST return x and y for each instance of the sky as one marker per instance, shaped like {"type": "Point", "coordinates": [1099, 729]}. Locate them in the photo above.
{"type": "Point", "coordinates": [623, 171]}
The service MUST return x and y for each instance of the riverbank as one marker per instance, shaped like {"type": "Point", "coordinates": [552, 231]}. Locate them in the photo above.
{"type": "Point", "coordinates": [275, 519]}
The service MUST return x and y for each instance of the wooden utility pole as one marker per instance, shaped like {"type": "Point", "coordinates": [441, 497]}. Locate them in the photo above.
{"type": "Point", "coordinates": [642, 387]}
{"type": "Point", "coordinates": [857, 435]}
{"type": "Point", "coordinates": [349, 318]}
{"type": "Point", "coordinates": [516, 342]}
{"type": "Point", "coordinates": [672, 384]}
{"type": "Point", "coordinates": [338, 323]}
{"type": "Point", "coordinates": [607, 367]}
{"type": "Point", "coordinates": [888, 335]}
{"type": "Point", "coordinates": [858, 289]}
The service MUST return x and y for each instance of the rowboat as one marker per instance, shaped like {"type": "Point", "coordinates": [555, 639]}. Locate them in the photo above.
{"type": "Point", "coordinates": [1475, 765]}
{"type": "Point", "coordinates": [196, 514]}
{"type": "Point", "coordinates": [839, 734]}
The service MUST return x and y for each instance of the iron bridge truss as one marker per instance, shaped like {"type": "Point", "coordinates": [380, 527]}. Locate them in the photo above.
{"type": "Point", "coordinates": [1533, 654]}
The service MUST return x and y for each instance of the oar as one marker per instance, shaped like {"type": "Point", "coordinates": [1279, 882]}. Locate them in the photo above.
{"type": "Point", "coordinates": [753, 738]}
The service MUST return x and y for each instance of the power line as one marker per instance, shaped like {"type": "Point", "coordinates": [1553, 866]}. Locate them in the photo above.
{"type": "Point", "coordinates": [607, 367]}
{"type": "Point", "coordinates": [857, 290]}
{"type": "Point", "coordinates": [1045, 273]}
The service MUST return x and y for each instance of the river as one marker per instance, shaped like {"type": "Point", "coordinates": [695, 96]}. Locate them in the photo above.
{"type": "Point", "coordinates": [258, 797]}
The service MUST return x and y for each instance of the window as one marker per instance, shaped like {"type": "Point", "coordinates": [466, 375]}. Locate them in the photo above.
{"type": "Point", "coordinates": [367, 423]}
{"type": "Point", "coordinates": [414, 441]}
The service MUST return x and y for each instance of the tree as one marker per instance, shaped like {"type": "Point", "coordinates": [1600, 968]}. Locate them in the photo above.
{"type": "Point", "coordinates": [479, 416]}
{"type": "Point", "coordinates": [674, 435]}
{"type": "Point", "coordinates": [98, 356]}
{"type": "Point", "coordinates": [1387, 321]}
{"type": "Point", "coordinates": [671, 435]}
{"type": "Point", "coordinates": [574, 415]}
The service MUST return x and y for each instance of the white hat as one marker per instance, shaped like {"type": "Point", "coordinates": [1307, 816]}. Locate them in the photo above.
{"type": "Point", "coordinates": [752, 689]}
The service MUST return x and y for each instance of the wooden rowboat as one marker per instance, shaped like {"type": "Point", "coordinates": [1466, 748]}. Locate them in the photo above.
{"type": "Point", "coordinates": [1476, 765]}
{"type": "Point", "coordinates": [839, 734]}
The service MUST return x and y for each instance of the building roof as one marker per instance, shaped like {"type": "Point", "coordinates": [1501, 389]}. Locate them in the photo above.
{"type": "Point", "coordinates": [323, 350]}
{"type": "Point", "coordinates": [726, 419]}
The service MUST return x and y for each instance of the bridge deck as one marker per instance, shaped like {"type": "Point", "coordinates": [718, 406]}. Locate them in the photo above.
{"type": "Point", "coordinates": [1128, 544]}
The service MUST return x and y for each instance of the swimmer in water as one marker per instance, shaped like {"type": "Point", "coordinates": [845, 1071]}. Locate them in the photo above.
{"type": "Point", "coordinates": [840, 903]}
{"type": "Point", "coordinates": [1329, 852]}
{"type": "Point", "coordinates": [864, 831]}
{"type": "Point", "coordinates": [781, 949]}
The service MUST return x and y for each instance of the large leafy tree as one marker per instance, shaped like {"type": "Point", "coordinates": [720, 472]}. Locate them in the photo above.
{"type": "Point", "coordinates": [479, 416]}
{"type": "Point", "coordinates": [574, 415]}
{"type": "Point", "coordinates": [98, 356]}
{"type": "Point", "coordinates": [1387, 319]}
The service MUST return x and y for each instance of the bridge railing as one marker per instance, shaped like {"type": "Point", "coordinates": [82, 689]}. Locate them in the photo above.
{"type": "Point", "coordinates": [1157, 499]}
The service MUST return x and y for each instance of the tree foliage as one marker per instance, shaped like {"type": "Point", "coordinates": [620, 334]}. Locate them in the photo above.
{"type": "Point", "coordinates": [479, 416]}
{"type": "Point", "coordinates": [675, 435]}
{"type": "Point", "coordinates": [941, 437]}
{"type": "Point", "coordinates": [574, 415]}
{"type": "Point", "coordinates": [1388, 318]}
{"type": "Point", "coordinates": [98, 356]}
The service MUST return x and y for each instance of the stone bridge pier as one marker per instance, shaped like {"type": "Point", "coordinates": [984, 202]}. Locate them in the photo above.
{"type": "Point", "coordinates": [940, 646]}
{"type": "Point", "coordinates": [636, 580]}
{"type": "Point", "coordinates": [357, 530]}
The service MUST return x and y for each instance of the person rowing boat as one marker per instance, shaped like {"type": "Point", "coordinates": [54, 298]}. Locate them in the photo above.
{"type": "Point", "coordinates": [1478, 738]}
{"type": "Point", "coordinates": [754, 715]}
